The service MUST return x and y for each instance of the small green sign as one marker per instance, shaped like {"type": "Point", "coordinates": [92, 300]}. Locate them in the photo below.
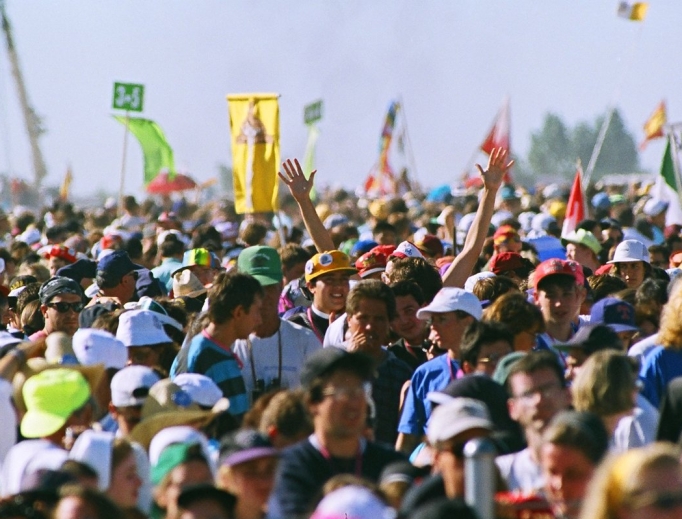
{"type": "Point", "coordinates": [128, 96]}
{"type": "Point", "coordinates": [313, 112]}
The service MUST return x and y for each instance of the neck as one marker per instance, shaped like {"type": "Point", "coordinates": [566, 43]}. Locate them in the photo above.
{"type": "Point", "coordinates": [222, 333]}
{"type": "Point", "coordinates": [453, 353]}
{"type": "Point", "coordinates": [321, 313]}
{"type": "Point", "coordinates": [338, 447]}
{"type": "Point", "coordinates": [611, 422]}
{"type": "Point", "coordinates": [560, 331]}
{"type": "Point", "coordinates": [245, 510]}
{"type": "Point", "coordinates": [269, 326]}
{"type": "Point", "coordinates": [534, 440]}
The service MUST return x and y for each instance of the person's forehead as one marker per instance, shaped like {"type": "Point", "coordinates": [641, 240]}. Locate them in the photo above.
{"type": "Point", "coordinates": [66, 298]}
{"type": "Point", "coordinates": [333, 275]}
{"type": "Point", "coordinates": [406, 300]}
{"type": "Point", "coordinates": [535, 378]}
{"type": "Point", "coordinates": [367, 305]}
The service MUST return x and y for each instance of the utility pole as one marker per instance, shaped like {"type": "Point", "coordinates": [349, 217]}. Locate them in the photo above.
{"type": "Point", "coordinates": [31, 119]}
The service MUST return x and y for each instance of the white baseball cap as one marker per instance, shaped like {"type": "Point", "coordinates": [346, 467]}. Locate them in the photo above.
{"type": "Point", "coordinates": [457, 416]}
{"type": "Point", "coordinates": [93, 346]}
{"type": "Point", "coordinates": [406, 249]}
{"type": "Point", "coordinates": [95, 448]}
{"type": "Point", "coordinates": [653, 207]}
{"type": "Point", "coordinates": [202, 389]}
{"type": "Point", "coordinates": [179, 434]}
{"type": "Point", "coordinates": [450, 299]}
{"type": "Point", "coordinates": [472, 280]}
{"type": "Point", "coordinates": [130, 386]}
{"type": "Point", "coordinates": [630, 250]}
{"type": "Point", "coordinates": [141, 328]}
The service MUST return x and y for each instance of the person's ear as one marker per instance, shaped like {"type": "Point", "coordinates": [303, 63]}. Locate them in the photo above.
{"type": "Point", "coordinates": [43, 310]}
{"type": "Point", "coordinates": [513, 411]}
{"type": "Point", "coordinates": [238, 312]}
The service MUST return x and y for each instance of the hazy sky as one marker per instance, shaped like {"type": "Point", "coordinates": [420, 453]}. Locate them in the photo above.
{"type": "Point", "coordinates": [451, 61]}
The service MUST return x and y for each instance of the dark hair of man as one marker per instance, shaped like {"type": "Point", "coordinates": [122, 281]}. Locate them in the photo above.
{"type": "Point", "coordinates": [371, 289]}
{"type": "Point", "coordinates": [588, 225]}
{"type": "Point", "coordinates": [292, 254]}
{"type": "Point", "coordinates": [516, 312]}
{"type": "Point", "coordinates": [103, 507]}
{"type": "Point", "coordinates": [253, 234]}
{"type": "Point", "coordinates": [171, 246]}
{"type": "Point", "coordinates": [605, 285]}
{"type": "Point", "coordinates": [489, 289]}
{"type": "Point", "coordinates": [535, 361]}
{"type": "Point", "coordinates": [659, 273]}
{"type": "Point", "coordinates": [420, 271]}
{"type": "Point", "coordinates": [383, 226]}
{"type": "Point", "coordinates": [480, 333]}
{"type": "Point", "coordinates": [133, 247]}
{"type": "Point", "coordinates": [230, 290]}
{"type": "Point", "coordinates": [652, 291]}
{"type": "Point", "coordinates": [648, 270]}
{"type": "Point", "coordinates": [408, 288]}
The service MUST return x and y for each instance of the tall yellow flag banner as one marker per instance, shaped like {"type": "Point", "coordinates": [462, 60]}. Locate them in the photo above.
{"type": "Point", "coordinates": [254, 128]}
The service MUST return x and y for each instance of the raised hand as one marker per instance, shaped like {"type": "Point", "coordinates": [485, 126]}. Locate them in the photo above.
{"type": "Point", "coordinates": [293, 177]}
{"type": "Point", "coordinates": [497, 168]}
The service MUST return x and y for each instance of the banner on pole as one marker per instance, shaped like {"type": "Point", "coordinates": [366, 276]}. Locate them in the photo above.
{"type": "Point", "coordinates": [157, 152]}
{"type": "Point", "coordinates": [128, 96]}
{"type": "Point", "coordinates": [254, 129]}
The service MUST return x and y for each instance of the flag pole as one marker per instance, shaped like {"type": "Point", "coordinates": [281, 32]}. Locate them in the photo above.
{"type": "Point", "coordinates": [672, 139]}
{"type": "Point", "coordinates": [413, 162]}
{"type": "Point", "coordinates": [123, 165]}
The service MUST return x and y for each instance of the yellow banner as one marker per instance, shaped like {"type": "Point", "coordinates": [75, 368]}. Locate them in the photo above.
{"type": "Point", "coordinates": [254, 126]}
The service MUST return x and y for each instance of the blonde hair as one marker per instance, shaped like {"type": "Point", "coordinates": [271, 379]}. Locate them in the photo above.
{"type": "Point", "coordinates": [619, 477]}
{"type": "Point", "coordinates": [605, 384]}
{"type": "Point", "coordinates": [670, 332]}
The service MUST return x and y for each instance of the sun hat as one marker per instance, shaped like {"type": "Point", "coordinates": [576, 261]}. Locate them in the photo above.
{"type": "Point", "coordinates": [130, 386]}
{"type": "Point", "coordinates": [352, 502]}
{"type": "Point", "coordinates": [615, 313]}
{"type": "Point", "coordinates": [261, 262]}
{"type": "Point", "coordinates": [50, 398]}
{"type": "Point", "coordinates": [203, 390]}
{"type": "Point", "coordinates": [456, 416]}
{"type": "Point", "coordinates": [557, 208]}
{"type": "Point", "coordinates": [451, 299]}
{"type": "Point", "coordinates": [370, 263]}
{"type": "Point", "coordinates": [582, 237]}
{"type": "Point", "coordinates": [186, 284]}
{"type": "Point", "coordinates": [95, 448]}
{"type": "Point", "coordinates": [141, 328]}
{"type": "Point", "coordinates": [93, 346]}
{"type": "Point", "coordinates": [326, 262]}
{"type": "Point", "coordinates": [556, 267]}
{"type": "Point", "coordinates": [245, 445]}
{"type": "Point", "coordinates": [58, 285]}
{"type": "Point", "coordinates": [630, 250]}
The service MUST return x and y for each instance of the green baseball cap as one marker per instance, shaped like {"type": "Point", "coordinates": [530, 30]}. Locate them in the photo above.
{"type": "Point", "coordinates": [51, 397]}
{"type": "Point", "coordinates": [170, 457]}
{"type": "Point", "coordinates": [261, 262]}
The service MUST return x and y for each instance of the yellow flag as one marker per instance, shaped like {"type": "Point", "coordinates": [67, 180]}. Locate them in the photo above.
{"type": "Point", "coordinates": [633, 11]}
{"type": "Point", "coordinates": [66, 185]}
{"type": "Point", "coordinates": [254, 127]}
{"type": "Point", "coordinates": [654, 126]}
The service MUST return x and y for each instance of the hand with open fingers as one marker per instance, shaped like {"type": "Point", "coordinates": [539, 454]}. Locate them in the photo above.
{"type": "Point", "coordinates": [497, 168]}
{"type": "Point", "coordinates": [293, 177]}
{"type": "Point", "coordinates": [359, 341]}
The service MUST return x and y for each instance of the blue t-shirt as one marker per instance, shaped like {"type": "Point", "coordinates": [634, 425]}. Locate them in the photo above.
{"type": "Point", "coordinates": [433, 375]}
{"type": "Point", "coordinates": [209, 358]}
{"type": "Point", "coordinates": [660, 366]}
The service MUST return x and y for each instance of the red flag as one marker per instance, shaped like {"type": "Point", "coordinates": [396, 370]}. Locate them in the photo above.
{"type": "Point", "coordinates": [575, 210]}
{"type": "Point", "coordinates": [498, 137]}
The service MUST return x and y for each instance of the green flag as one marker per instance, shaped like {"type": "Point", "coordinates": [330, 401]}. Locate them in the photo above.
{"type": "Point", "coordinates": [666, 187]}
{"type": "Point", "coordinates": [157, 152]}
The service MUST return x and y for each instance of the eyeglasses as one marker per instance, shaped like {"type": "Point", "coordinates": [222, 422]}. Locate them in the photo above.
{"type": "Point", "coordinates": [545, 391]}
{"type": "Point", "coordinates": [492, 359]}
{"type": "Point", "coordinates": [347, 393]}
{"type": "Point", "coordinates": [661, 500]}
{"type": "Point", "coordinates": [63, 307]}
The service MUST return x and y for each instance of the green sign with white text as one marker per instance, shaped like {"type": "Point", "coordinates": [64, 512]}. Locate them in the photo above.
{"type": "Point", "coordinates": [128, 96]}
{"type": "Point", "coordinates": [313, 112]}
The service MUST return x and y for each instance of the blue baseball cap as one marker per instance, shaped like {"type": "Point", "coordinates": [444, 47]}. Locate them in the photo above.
{"type": "Point", "coordinates": [616, 314]}
{"type": "Point", "coordinates": [114, 266]}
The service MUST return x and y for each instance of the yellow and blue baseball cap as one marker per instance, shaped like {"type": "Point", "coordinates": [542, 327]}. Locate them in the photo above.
{"type": "Point", "coordinates": [326, 262]}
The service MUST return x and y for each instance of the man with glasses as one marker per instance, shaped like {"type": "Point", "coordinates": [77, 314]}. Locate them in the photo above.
{"type": "Point", "coordinates": [61, 302]}
{"type": "Point", "coordinates": [336, 384]}
{"type": "Point", "coordinates": [117, 277]}
{"type": "Point", "coordinates": [538, 391]}
{"type": "Point", "coordinates": [450, 312]}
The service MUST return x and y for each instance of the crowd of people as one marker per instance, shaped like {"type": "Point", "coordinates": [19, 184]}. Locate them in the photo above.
{"type": "Point", "coordinates": [333, 361]}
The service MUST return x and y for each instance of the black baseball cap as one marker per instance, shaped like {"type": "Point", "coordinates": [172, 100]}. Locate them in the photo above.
{"type": "Point", "coordinates": [327, 360]}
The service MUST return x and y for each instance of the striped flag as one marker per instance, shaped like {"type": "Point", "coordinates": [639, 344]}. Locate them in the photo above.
{"type": "Point", "coordinates": [667, 187]}
{"type": "Point", "coordinates": [653, 128]}
{"type": "Point", "coordinates": [635, 11]}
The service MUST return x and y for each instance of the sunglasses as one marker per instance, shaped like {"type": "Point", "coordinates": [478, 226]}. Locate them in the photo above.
{"type": "Point", "coordinates": [63, 307]}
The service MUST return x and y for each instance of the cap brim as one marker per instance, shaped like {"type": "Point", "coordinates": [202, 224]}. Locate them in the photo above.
{"type": "Point", "coordinates": [39, 424]}
{"type": "Point", "coordinates": [459, 427]}
{"type": "Point", "coordinates": [144, 432]}
{"type": "Point", "coordinates": [363, 274]}
{"type": "Point", "coordinates": [622, 328]}
{"type": "Point", "coordinates": [249, 454]}
{"type": "Point", "coordinates": [266, 280]}
{"type": "Point", "coordinates": [350, 270]}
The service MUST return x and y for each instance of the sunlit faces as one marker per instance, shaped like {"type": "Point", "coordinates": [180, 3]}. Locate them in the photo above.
{"type": "Point", "coordinates": [567, 473]}
{"type": "Point", "coordinates": [559, 302]}
{"type": "Point", "coordinates": [56, 321]}
{"type": "Point", "coordinates": [490, 355]}
{"type": "Point", "coordinates": [247, 320]}
{"type": "Point", "coordinates": [406, 324]}
{"type": "Point", "coordinates": [368, 327]}
{"type": "Point", "coordinates": [536, 397]}
{"type": "Point", "coordinates": [184, 475]}
{"type": "Point", "coordinates": [330, 291]}
{"type": "Point", "coordinates": [632, 272]}
{"type": "Point", "coordinates": [342, 412]}
{"type": "Point", "coordinates": [448, 327]}
{"type": "Point", "coordinates": [580, 253]}
{"type": "Point", "coordinates": [125, 483]}
{"type": "Point", "coordinates": [252, 481]}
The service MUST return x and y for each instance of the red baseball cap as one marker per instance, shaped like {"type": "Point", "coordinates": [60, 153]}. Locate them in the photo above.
{"type": "Point", "coordinates": [555, 267]}
{"type": "Point", "coordinates": [430, 245]}
{"type": "Point", "coordinates": [506, 261]}
{"type": "Point", "coordinates": [370, 263]}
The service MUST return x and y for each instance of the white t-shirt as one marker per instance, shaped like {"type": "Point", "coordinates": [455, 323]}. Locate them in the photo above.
{"type": "Point", "coordinates": [520, 471]}
{"type": "Point", "coordinates": [297, 343]}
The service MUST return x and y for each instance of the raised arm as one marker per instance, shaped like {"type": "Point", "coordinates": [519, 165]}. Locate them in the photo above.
{"type": "Point", "coordinates": [461, 268]}
{"type": "Point", "coordinates": [300, 189]}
